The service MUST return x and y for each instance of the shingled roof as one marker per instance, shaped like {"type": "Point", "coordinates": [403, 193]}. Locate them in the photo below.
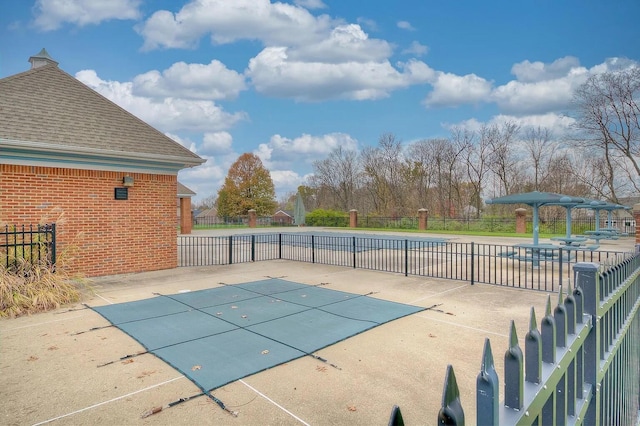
{"type": "Point", "coordinates": [184, 192]}
{"type": "Point", "coordinates": [46, 114]}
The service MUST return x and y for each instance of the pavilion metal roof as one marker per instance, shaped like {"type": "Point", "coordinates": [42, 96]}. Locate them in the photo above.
{"type": "Point", "coordinates": [538, 199]}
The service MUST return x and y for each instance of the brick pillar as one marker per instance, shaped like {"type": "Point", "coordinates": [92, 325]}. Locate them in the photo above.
{"type": "Point", "coordinates": [521, 223]}
{"type": "Point", "coordinates": [253, 218]}
{"type": "Point", "coordinates": [353, 218]}
{"type": "Point", "coordinates": [636, 216]}
{"type": "Point", "coordinates": [423, 215]}
{"type": "Point", "coordinates": [185, 215]}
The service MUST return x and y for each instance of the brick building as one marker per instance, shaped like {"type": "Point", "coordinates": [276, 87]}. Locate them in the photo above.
{"type": "Point", "coordinates": [108, 180]}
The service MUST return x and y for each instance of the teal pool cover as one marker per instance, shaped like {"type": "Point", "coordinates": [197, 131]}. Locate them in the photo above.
{"type": "Point", "coordinates": [220, 335]}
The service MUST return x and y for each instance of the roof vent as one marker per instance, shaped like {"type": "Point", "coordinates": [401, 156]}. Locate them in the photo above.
{"type": "Point", "coordinates": [41, 59]}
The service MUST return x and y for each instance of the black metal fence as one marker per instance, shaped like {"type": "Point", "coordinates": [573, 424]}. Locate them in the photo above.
{"type": "Point", "coordinates": [238, 221]}
{"type": "Point", "coordinates": [31, 243]}
{"type": "Point", "coordinates": [505, 265]}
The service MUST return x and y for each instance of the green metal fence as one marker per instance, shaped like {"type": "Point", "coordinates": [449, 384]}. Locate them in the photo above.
{"type": "Point", "coordinates": [581, 366]}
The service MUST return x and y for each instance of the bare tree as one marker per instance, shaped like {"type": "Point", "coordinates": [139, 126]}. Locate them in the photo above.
{"type": "Point", "coordinates": [477, 153]}
{"type": "Point", "coordinates": [594, 177]}
{"type": "Point", "coordinates": [541, 151]}
{"type": "Point", "coordinates": [504, 162]}
{"type": "Point", "coordinates": [419, 165]}
{"type": "Point", "coordinates": [386, 175]}
{"type": "Point", "coordinates": [336, 178]}
{"type": "Point", "coordinates": [448, 172]}
{"type": "Point", "coordinates": [608, 116]}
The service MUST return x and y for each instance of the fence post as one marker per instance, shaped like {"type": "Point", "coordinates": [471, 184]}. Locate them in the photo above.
{"type": "Point", "coordinates": [253, 247]}
{"type": "Point", "coordinates": [53, 244]}
{"type": "Point", "coordinates": [279, 246]}
{"type": "Point", "coordinates": [473, 263]}
{"type": "Point", "coordinates": [313, 249]}
{"type": "Point", "coordinates": [354, 251]}
{"type": "Point", "coordinates": [230, 249]}
{"type": "Point", "coordinates": [586, 278]}
{"type": "Point", "coordinates": [406, 257]}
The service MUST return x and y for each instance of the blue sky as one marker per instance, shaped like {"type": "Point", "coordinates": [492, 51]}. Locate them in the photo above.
{"type": "Point", "coordinates": [290, 81]}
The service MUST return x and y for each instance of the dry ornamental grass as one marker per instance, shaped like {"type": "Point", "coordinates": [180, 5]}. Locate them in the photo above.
{"type": "Point", "coordinates": [28, 287]}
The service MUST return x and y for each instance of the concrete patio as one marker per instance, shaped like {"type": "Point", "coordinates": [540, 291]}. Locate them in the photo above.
{"type": "Point", "coordinates": [50, 375]}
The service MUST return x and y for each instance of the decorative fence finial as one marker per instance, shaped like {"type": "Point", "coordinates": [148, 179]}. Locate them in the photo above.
{"type": "Point", "coordinates": [513, 383]}
{"type": "Point", "coordinates": [487, 398]}
{"type": "Point", "coordinates": [533, 351]}
{"type": "Point", "coordinates": [451, 412]}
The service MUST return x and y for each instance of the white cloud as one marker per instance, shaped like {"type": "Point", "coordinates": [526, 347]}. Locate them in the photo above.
{"type": "Point", "coordinates": [52, 14]}
{"type": "Point", "coordinates": [286, 181]}
{"type": "Point", "coordinates": [228, 21]}
{"type": "Point", "coordinates": [345, 43]}
{"type": "Point", "coordinates": [530, 72]}
{"type": "Point", "coordinates": [416, 49]}
{"type": "Point", "coordinates": [204, 180]}
{"type": "Point", "coordinates": [558, 125]}
{"type": "Point", "coordinates": [452, 90]}
{"type": "Point", "coordinates": [540, 87]}
{"type": "Point", "coordinates": [305, 58]}
{"type": "Point", "coordinates": [613, 64]}
{"type": "Point", "coordinates": [273, 73]}
{"type": "Point", "coordinates": [216, 143]}
{"type": "Point", "coordinates": [283, 153]}
{"type": "Point", "coordinates": [168, 114]}
{"type": "Point", "coordinates": [311, 4]}
{"type": "Point", "coordinates": [540, 96]}
{"type": "Point", "coordinates": [404, 25]}
{"type": "Point", "coordinates": [192, 81]}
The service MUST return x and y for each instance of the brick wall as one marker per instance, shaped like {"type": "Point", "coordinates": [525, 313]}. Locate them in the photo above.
{"type": "Point", "coordinates": [111, 236]}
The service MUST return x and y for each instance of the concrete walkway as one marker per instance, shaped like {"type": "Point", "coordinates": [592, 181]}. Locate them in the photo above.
{"type": "Point", "coordinates": [50, 374]}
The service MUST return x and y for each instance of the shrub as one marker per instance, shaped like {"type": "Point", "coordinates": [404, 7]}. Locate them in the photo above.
{"type": "Point", "coordinates": [320, 217]}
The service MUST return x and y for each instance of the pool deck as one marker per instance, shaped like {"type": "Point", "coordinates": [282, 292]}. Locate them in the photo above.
{"type": "Point", "coordinates": [50, 374]}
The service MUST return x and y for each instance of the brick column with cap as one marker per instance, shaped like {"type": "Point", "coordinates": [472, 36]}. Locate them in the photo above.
{"type": "Point", "coordinates": [353, 218]}
{"type": "Point", "coordinates": [185, 215]}
{"type": "Point", "coordinates": [521, 221]}
{"type": "Point", "coordinates": [423, 217]}
{"type": "Point", "coordinates": [253, 218]}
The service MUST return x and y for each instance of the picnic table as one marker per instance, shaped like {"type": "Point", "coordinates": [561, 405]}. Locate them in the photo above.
{"type": "Point", "coordinates": [570, 242]}
{"type": "Point", "coordinates": [601, 234]}
{"type": "Point", "coordinates": [535, 252]}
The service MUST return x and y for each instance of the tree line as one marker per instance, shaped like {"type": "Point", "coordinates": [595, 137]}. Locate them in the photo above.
{"type": "Point", "coordinates": [451, 176]}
